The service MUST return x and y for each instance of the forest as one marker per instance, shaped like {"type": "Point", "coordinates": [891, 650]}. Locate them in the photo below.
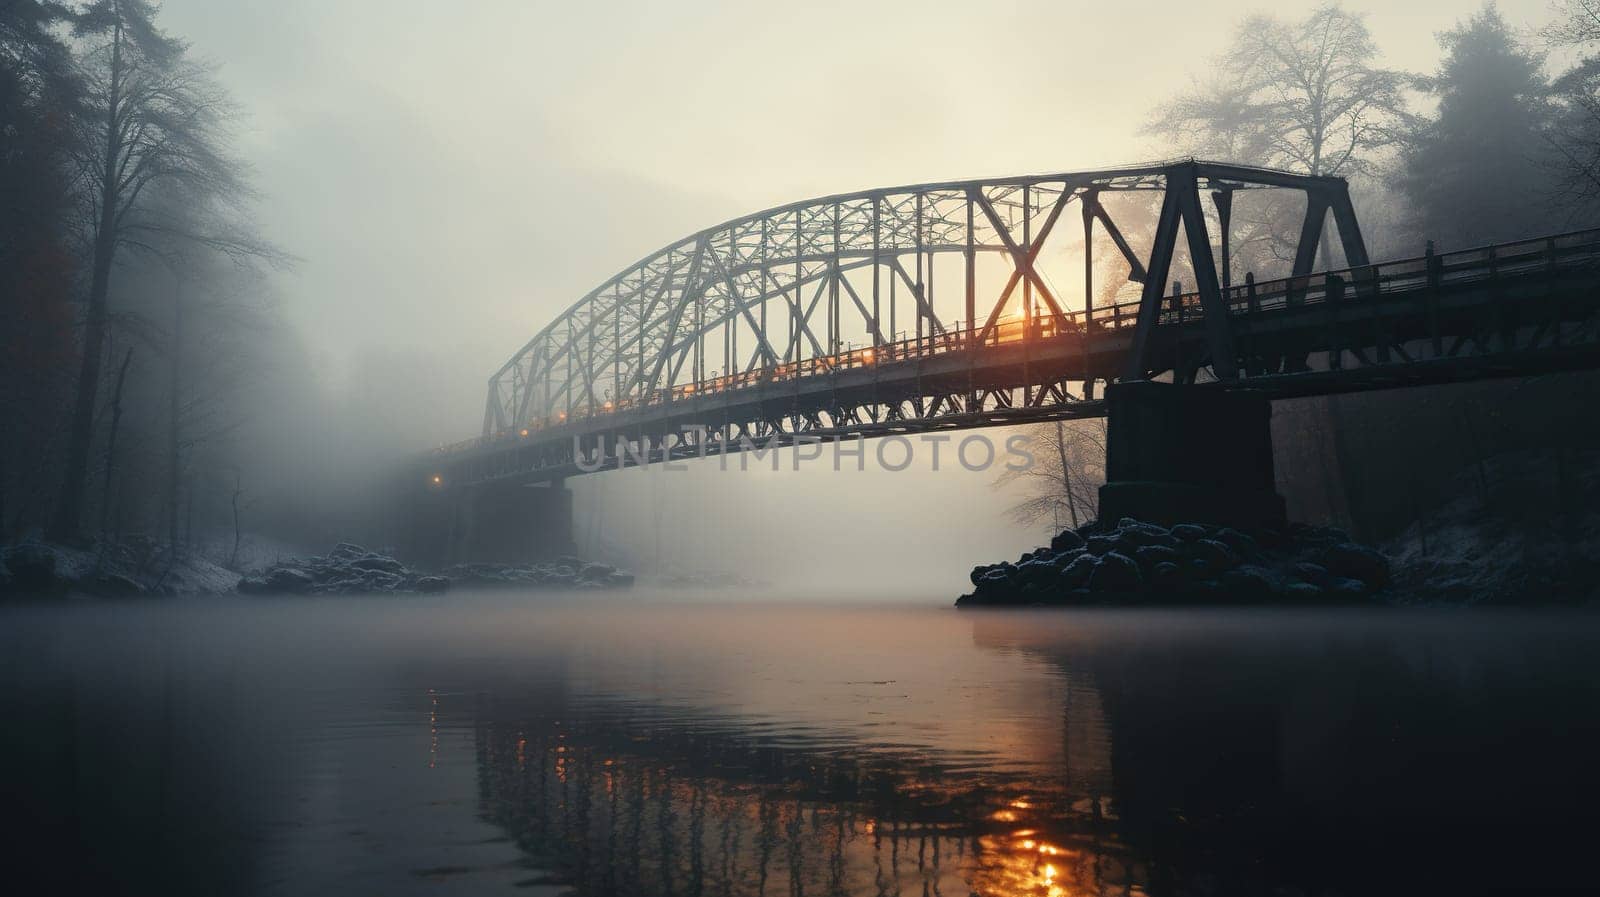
{"type": "Point", "coordinates": [152, 391]}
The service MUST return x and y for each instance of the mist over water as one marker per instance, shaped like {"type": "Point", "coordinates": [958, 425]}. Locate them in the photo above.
{"type": "Point", "coordinates": [645, 744]}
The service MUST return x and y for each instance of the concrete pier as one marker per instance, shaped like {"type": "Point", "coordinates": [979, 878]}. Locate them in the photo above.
{"type": "Point", "coordinates": [1188, 454]}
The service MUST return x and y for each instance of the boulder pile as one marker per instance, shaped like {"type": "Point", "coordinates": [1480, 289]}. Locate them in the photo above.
{"type": "Point", "coordinates": [1137, 563]}
{"type": "Point", "coordinates": [350, 569]}
{"type": "Point", "coordinates": [565, 572]}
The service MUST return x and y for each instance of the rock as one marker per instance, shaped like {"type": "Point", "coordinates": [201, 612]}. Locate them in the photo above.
{"type": "Point", "coordinates": [347, 551]}
{"type": "Point", "coordinates": [595, 572]}
{"type": "Point", "coordinates": [1116, 572]}
{"type": "Point", "coordinates": [1099, 545]}
{"type": "Point", "coordinates": [378, 562]}
{"type": "Point", "coordinates": [1242, 545]}
{"type": "Point", "coordinates": [1151, 555]}
{"type": "Point", "coordinates": [1188, 532]}
{"type": "Point", "coordinates": [433, 585]}
{"type": "Point", "coordinates": [993, 587]}
{"type": "Point", "coordinates": [288, 579]}
{"type": "Point", "coordinates": [1064, 558]}
{"type": "Point", "coordinates": [1166, 577]}
{"type": "Point", "coordinates": [1135, 535]}
{"type": "Point", "coordinates": [978, 572]}
{"type": "Point", "coordinates": [1248, 585]}
{"type": "Point", "coordinates": [1302, 593]}
{"type": "Point", "coordinates": [1353, 561]}
{"type": "Point", "coordinates": [1312, 573]}
{"type": "Point", "coordinates": [1216, 556]}
{"type": "Point", "coordinates": [1066, 540]}
{"type": "Point", "coordinates": [1347, 589]}
{"type": "Point", "coordinates": [1076, 574]}
{"type": "Point", "coordinates": [1041, 571]}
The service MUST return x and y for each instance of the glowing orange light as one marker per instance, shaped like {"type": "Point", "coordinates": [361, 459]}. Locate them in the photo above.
{"type": "Point", "coordinates": [608, 406]}
{"type": "Point", "coordinates": [562, 416]}
{"type": "Point", "coordinates": [524, 431]}
{"type": "Point", "coordinates": [867, 356]}
{"type": "Point", "coordinates": [1049, 873]}
{"type": "Point", "coordinates": [437, 479]}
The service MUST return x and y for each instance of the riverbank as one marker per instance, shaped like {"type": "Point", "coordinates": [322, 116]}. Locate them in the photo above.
{"type": "Point", "coordinates": [143, 568]}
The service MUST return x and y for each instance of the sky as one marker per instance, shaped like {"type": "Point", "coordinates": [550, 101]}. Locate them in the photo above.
{"type": "Point", "coordinates": [451, 175]}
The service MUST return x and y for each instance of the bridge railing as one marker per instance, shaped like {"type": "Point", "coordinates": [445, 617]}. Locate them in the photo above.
{"type": "Point", "coordinates": [1543, 254]}
{"type": "Point", "coordinates": [1459, 267]}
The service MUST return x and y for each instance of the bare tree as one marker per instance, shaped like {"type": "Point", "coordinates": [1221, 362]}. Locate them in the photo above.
{"type": "Point", "coordinates": [1304, 96]}
{"type": "Point", "coordinates": [1064, 480]}
{"type": "Point", "coordinates": [1575, 136]}
{"type": "Point", "coordinates": [154, 123]}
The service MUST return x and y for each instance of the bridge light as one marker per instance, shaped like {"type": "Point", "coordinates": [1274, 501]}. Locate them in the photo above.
{"type": "Point", "coordinates": [608, 406]}
{"type": "Point", "coordinates": [437, 480]}
{"type": "Point", "coordinates": [866, 356]}
{"type": "Point", "coordinates": [524, 432]}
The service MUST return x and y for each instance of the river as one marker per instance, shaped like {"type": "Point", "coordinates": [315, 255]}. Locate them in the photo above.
{"type": "Point", "coordinates": [628, 744]}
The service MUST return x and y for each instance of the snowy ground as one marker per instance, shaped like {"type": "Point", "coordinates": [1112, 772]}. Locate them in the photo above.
{"type": "Point", "coordinates": [1517, 533]}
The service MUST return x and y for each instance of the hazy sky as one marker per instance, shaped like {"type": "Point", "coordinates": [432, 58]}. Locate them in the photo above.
{"type": "Point", "coordinates": [452, 174]}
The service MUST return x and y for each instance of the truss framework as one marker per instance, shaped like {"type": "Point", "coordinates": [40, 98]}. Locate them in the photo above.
{"type": "Point", "coordinates": [794, 281]}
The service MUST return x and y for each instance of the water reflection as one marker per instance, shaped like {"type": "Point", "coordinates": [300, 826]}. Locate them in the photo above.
{"type": "Point", "coordinates": [1188, 754]}
{"type": "Point", "coordinates": [650, 749]}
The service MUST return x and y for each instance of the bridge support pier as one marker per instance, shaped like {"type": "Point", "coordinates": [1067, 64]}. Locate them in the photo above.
{"type": "Point", "coordinates": [1186, 454]}
{"type": "Point", "coordinates": [490, 523]}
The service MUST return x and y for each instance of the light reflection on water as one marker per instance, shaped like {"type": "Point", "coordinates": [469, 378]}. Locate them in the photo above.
{"type": "Point", "coordinates": [624, 746]}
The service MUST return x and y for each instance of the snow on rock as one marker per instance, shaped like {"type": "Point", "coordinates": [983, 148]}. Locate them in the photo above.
{"type": "Point", "coordinates": [565, 572]}
{"type": "Point", "coordinates": [346, 570]}
{"type": "Point", "coordinates": [1138, 563]}
{"type": "Point", "coordinates": [350, 569]}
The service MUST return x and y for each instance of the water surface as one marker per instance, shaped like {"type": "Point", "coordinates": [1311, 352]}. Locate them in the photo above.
{"type": "Point", "coordinates": [481, 744]}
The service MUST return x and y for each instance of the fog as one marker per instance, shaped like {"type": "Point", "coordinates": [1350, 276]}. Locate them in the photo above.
{"type": "Point", "coordinates": [445, 178]}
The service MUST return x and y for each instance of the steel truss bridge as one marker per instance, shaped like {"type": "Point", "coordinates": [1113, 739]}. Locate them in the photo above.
{"type": "Point", "coordinates": [632, 369]}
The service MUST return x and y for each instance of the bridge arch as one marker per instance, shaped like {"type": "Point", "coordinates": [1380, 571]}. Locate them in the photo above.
{"type": "Point", "coordinates": [778, 294]}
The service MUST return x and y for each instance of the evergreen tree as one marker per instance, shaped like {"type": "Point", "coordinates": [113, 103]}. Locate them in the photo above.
{"type": "Point", "coordinates": [38, 88]}
{"type": "Point", "coordinates": [1476, 172]}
